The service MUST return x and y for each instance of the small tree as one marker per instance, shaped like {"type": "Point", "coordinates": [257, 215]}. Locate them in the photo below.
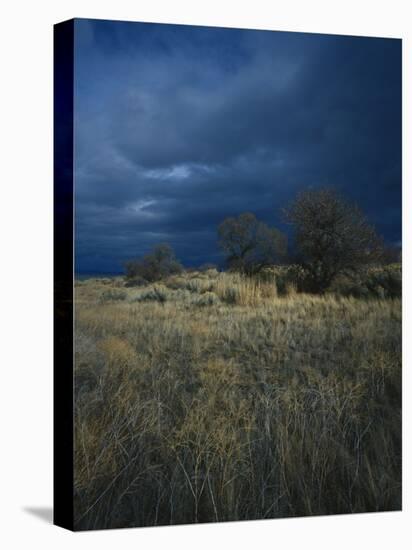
{"type": "Point", "coordinates": [332, 237]}
{"type": "Point", "coordinates": [160, 263]}
{"type": "Point", "coordinates": [250, 244]}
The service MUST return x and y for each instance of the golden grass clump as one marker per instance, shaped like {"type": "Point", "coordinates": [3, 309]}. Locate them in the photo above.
{"type": "Point", "coordinates": [227, 401]}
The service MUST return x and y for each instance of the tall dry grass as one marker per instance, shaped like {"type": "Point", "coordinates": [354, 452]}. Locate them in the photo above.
{"type": "Point", "coordinates": [210, 398]}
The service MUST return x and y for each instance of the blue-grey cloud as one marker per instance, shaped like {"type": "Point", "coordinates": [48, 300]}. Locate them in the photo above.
{"type": "Point", "coordinates": [178, 127]}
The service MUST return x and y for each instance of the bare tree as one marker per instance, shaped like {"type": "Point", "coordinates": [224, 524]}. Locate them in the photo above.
{"type": "Point", "coordinates": [332, 236]}
{"type": "Point", "coordinates": [160, 263]}
{"type": "Point", "coordinates": [250, 244]}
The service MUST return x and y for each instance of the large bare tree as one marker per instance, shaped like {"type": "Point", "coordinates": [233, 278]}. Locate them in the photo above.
{"type": "Point", "coordinates": [250, 244]}
{"type": "Point", "coordinates": [331, 236]}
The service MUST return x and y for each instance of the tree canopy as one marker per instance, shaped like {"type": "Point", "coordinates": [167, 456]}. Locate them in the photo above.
{"type": "Point", "coordinates": [250, 244]}
{"type": "Point", "coordinates": [331, 236]}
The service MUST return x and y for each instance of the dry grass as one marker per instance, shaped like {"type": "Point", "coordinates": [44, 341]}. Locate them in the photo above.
{"type": "Point", "coordinates": [222, 401]}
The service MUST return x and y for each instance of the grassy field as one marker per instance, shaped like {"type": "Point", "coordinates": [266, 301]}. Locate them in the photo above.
{"type": "Point", "coordinates": [211, 398]}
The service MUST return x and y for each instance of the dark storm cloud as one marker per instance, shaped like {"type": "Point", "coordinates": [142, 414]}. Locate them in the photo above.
{"type": "Point", "coordinates": [178, 127]}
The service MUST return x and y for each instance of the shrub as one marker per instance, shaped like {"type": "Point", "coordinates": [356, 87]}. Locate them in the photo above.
{"type": "Point", "coordinates": [153, 294]}
{"type": "Point", "coordinates": [231, 295]}
{"type": "Point", "coordinates": [118, 282]}
{"type": "Point", "coordinates": [212, 273]}
{"type": "Point", "coordinates": [182, 295]}
{"type": "Point", "coordinates": [199, 285]}
{"type": "Point", "coordinates": [286, 278]}
{"type": "Point", "coordinates": [175, 283]}
{"type": "Point", "coordinates": [113, 294]}
{"type": "Point", "coordinates": [268, 274]}
{"type": "Point", "coordinates": [376, 282]}
{"type": "Point", "coordinates": [135, 281]}
{"type": "Point", "coordinates": [208, 267]}
{"type": "Point", "coordinates": [386, 282]}
{"type": "Point", "coordinates": [207, 299]}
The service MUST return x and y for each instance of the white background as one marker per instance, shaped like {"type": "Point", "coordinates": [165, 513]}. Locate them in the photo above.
{"type": "Point", "coordinates": [26, 306]}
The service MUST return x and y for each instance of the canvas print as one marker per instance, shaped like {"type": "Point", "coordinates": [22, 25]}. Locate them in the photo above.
{"type": "Point", "coordinates": [237, 261]}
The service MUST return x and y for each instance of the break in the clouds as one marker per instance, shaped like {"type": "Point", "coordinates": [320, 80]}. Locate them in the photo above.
{"type": "Point", "coordinates": [178, 127]}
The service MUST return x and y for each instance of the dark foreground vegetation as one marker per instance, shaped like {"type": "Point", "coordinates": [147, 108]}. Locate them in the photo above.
{"type": "Point", "coordinates": [259, 392]}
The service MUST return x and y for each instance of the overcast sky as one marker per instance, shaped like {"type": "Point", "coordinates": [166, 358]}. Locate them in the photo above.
{"type": "Point", "coordinates": [178, 127]}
